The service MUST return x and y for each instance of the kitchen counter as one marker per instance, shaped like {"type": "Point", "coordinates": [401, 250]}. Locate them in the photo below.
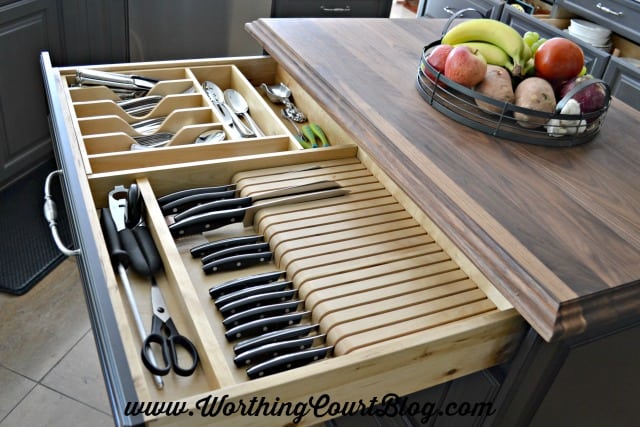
{"type": "Point", "coordinates": [555, 229]}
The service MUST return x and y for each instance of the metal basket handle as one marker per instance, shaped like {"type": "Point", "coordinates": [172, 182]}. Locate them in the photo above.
{"type": "Point", "coordinates": [579, 87]}
{"type": "Point", "coordinates": [456, 15]}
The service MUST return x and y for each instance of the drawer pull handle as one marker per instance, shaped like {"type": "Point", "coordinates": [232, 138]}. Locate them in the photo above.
{"type": "Point", "coordinates": [608, 10]}
{"type": "Point", "coordinates": [51, 215]}
{"type": "Point", "coordinates": [345, 9]}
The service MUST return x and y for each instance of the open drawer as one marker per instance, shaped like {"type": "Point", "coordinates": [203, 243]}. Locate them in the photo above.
{"type": "Point", "coordinates": [401, 308]}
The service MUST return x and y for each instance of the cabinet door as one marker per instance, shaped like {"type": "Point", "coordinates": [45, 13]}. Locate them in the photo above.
{"type": "Point", "coordinates": [26, 29]}
{"type": "Point", "coordinates": [624, 81]}
{"type": "Point", "coordinates": [446, 8]}
{"type": "Point", "coordinates": [595, 59]}
{"type": "Point", "coordinates": [331, 8]}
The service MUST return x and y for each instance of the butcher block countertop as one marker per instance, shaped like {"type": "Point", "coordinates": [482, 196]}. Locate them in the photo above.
{"type": "Point", "coordinates": [557, 230]}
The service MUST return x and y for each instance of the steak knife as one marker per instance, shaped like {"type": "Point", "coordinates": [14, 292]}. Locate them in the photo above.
{"type": "Point", "coordinates": [217, 245]}
{"type": "Point", "coordinates": [271, 350]}
{"type": "Point", "coordinates": [261, 312]}
{"type": "Point", "coordinates": [244, 282]}
{"type": "Point", "coordinates": [268, 324]}
{"type": "Point", "coordinates": [275, 336]}
{"type": "Point", "coordinates": [251, 248]}
{"type": "Point", "coordinates": [264, 288]}
{"type": "Point", "coordinates": [243, 202]}
{"type": "Point", "coordinates": [288, 361]}
{"type": "Point", "coordinates": [163, 200]}
{"type": "Point", "coordinates": [256, 301]}
{"type": "Point", "coordinates": [200, 223]}
{"type": "Point", "coordinates": [237, 262]}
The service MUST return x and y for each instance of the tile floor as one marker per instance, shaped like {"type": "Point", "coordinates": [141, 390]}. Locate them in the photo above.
{"type": "Point", "coordinates": [49, 370]}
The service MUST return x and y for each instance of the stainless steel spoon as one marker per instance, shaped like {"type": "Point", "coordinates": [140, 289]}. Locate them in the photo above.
{"type": "Point", "coordinates": [216, 96]}
{"type": "Point", "coordinates": [214, 135]}
{"type": "Point", "coordinates": [280, 94]}
{"type": "Point", "coordinates": [239, 105]}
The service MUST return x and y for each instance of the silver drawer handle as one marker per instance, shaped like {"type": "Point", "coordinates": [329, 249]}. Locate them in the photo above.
{"type": "Point", "coordinates": [51, 215]}
{"type": "Point", "coordinates": [345, 9]}
{"type": "Point", "coordinates": [608, 10]}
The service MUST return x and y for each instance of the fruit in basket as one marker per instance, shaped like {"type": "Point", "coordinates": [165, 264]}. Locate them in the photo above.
{"type": "Point", "coordinates": [437, 58]}
{"type": "Point", "coordinates": [497, 85]}
{"type": "Point", "coordinates": [491, 53]}
{"type": "Point", "coordinates": [494, 32]}
{"type": "Point", "coordinates": [591, 98]}
{"type": "Point", "coordinates": [465, 68]}
{"type": "Point", "coordinates": [558, 59]}
{"type": "Point", "coordinates": [536, 94]}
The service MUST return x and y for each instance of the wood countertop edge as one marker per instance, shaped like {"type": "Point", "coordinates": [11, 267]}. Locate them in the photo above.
{"type": "Point", "coordinates": [552, 320]}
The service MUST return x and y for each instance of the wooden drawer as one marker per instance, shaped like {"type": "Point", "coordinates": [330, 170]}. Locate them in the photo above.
{"type": "Point", "coordinates": [331, 8]}
{"type": "Point", "coordinates": [403, 308]}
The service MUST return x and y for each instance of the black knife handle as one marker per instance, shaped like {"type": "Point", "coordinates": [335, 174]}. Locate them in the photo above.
{"type": "Point", "coordinates": [237, 262]}
{"type": "Point", "coordinates": [148, 247]}
{"type": "Point", "coordinates": [216, 205]}
{"type": "Point", "coordinates": [137, 260]}
{"type": "Point", "coordinates": [261, 312]}
{"type": "Point", "coordinates": [275, 336]}
{"type": "Point", "coordinates": [244, 282]}
{"type": "Point", "coordinates": [256, 301]}
{"type": "Point", "coordinates": [187, 202]}
{"type": "Point", "coordinates": [288, 361]}
{"type": "Point", "coordinates": [217, 245]}
{"type": "Point", "coordinates": [268, 351]}
{"type": "Point", "coordinates": [117, 254]}
{"type": "Point", "coordinates": [197, 224]}
{"type": "Point", "coordinates": [268, 324]}
{"type": "Point", "coordinates": [236, 250]}
{"type": "Point", "coordinates": [263, 288]}
{"type": "Point", "coordinates": [191, 191]}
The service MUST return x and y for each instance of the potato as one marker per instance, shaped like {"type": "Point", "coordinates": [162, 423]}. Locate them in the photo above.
{"type": "Point", "coordinates": [536, 94]}
{"type": "Point", "coordinates": [496, 85]}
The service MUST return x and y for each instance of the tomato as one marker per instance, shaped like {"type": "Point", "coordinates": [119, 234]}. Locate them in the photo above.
{"type": "Point", "coordinates": [558, 59]}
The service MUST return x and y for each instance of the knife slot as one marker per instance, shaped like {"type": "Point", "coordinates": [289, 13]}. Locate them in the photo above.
{"type": "Point", "coordinates": [287, 172]}
{"type": "Point", "coordinates": [256, 185]}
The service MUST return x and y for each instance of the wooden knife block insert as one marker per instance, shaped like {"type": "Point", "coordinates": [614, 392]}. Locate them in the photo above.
{"type": "Point", "coordinates": [367, 270]}
{"type": "Point", "coordinates": [390, 295]}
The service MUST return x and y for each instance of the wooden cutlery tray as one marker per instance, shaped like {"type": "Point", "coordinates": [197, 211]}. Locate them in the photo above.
{"type": "Point", "coordinates": [402, 307]}
{"type": "Point", "coordinates": [105, 129]}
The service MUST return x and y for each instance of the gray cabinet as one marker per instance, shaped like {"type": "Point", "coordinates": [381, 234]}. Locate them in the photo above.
{"type": "Point", "coordinates": [331, 8]}
{"type": "Point", "coordinates": [624, 81]}
{"type": "Point", "coordinates": [94, 32]}
{"type": "Point", "coordinates": [26, 29]}
{"type": "Point", "coordinates": [620, 16]}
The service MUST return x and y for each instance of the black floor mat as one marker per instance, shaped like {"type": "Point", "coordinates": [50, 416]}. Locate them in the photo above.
{"type": "Point", "coordinates": [27, 252]}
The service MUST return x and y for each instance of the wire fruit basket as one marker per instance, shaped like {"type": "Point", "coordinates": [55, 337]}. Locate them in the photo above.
{"type": "Point", "coordinates": [549, 129]}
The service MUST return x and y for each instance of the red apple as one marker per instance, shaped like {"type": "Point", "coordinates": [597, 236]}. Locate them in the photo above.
{"type": "Point", "coordinates": [465, 68]}
{"type": "Point", "coordinates": [438, 56]}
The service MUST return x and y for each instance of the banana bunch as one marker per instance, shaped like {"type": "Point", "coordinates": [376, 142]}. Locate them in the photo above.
{"type": "Point", "coordinates": [496, 41]}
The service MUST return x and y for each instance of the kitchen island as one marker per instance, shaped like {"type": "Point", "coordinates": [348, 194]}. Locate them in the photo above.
{"type": "Point", "coordinates": [545, 240]}
{"type": "Point", "coordinates": [557, 230]}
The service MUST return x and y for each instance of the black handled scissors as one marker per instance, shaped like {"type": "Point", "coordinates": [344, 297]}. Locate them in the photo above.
{"type": "Point", "coordinates": [165, 334]}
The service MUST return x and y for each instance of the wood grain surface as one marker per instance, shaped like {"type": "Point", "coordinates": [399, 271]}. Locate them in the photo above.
{"type": "Point", "coordinates": [557, 230]}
